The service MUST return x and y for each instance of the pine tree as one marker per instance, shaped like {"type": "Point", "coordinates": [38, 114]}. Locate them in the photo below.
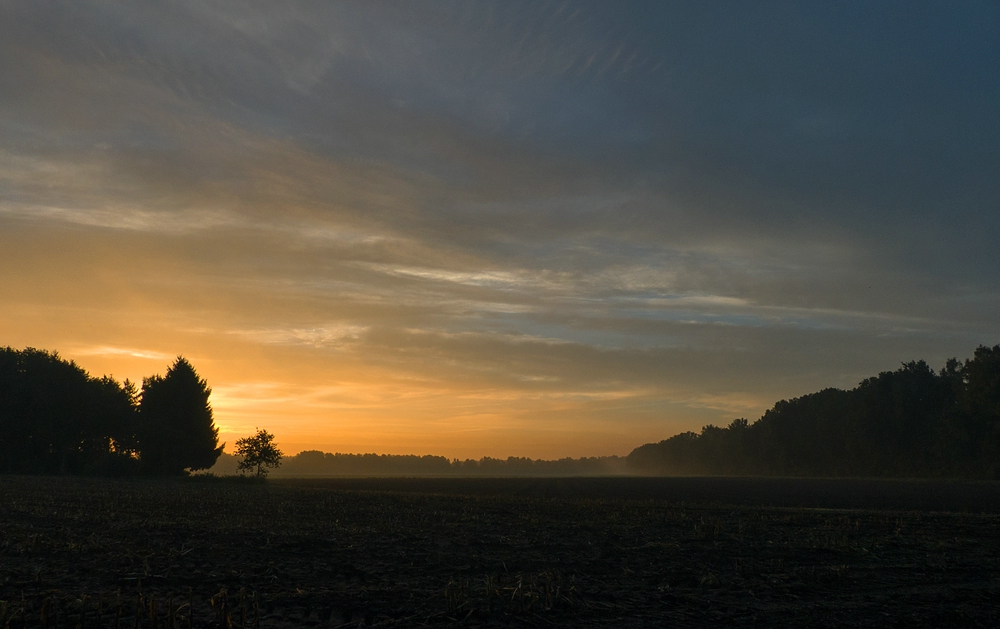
{"type": "Point", "coordinates": [177, 430]}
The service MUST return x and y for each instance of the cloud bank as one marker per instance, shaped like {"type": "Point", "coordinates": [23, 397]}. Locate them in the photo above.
{"type": "Point", "coordinates": [497, 228]}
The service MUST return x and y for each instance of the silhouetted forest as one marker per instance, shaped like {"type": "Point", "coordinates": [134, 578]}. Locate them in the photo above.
{"type": "Point", "coordinates": [912, 422]}
{"type": "Point", "coordinates": [316, 463]}
{"type": "Point", "coordinates": [57, 419]}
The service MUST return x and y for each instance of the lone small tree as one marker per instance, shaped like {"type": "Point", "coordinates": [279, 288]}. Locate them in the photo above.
{"type": "Point", "coordinates": [258, 452]}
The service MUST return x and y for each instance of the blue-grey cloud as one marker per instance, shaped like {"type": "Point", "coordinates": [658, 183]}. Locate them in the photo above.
{"type": "Point", "coordinates": [676, 202]}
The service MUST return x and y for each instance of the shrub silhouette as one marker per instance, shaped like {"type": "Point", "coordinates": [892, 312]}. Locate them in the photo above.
{"type": "Point", "coordinates": [259, 453]}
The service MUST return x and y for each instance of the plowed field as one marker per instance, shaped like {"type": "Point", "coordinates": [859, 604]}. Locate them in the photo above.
{"type": "Point", "coordinates": [498, 552]}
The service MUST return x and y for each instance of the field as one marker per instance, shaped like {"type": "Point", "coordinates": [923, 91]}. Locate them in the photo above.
{"type": "Point", "coordinates": [498, 552]}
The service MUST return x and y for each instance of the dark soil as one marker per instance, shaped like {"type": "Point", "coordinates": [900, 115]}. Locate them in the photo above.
{"type": "Point", "coordinates": [498, 552]}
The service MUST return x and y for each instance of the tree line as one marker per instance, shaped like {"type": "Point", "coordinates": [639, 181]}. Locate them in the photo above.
{"type": "Point", "coordinates": [57, 419]}
{"type": "Point", "coordinates": [316, 463]}
{"type": "Point", "coordinates": [911, 422]}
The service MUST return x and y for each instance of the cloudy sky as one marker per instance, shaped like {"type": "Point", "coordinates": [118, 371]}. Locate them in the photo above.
{"type": "Point", "coordinates": [497, 228]}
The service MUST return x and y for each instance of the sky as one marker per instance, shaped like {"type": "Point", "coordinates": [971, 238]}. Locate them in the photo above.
{"type": "Point", "coordinates": [472, 229]}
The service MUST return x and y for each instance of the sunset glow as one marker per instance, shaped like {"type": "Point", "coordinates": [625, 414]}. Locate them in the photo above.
{"type": "Point", "coordinates": [494, 229]}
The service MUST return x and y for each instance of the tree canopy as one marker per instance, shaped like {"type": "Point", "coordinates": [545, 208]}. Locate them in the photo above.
{"type": "Point", "coordinates": [911, 422]}
{"type": "Point", "coordinates": [259, 453]}
{"type": "Point", "coordinates": [57, 419]}
{"type": "Point", "coordinates": [176, 427]}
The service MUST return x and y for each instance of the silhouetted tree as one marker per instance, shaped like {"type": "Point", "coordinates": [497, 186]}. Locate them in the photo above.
{"type": "Point", "coordinates": [259, 453]}
{"type": "Point", "coordinates": [907, 422]}
{"type": "Point", "coordinates": [676, 456]}
{"type": "Point", "coordinates": [980, 408]}
{"type": "Point", "coordinates": [56, 419]}
{"type": "Point", "coordinates": [112, 439]}
{"type": "Point", "coordinates": [177, 431]}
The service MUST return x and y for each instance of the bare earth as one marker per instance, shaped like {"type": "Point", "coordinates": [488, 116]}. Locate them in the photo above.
{"type": "Point", "coordinates": [498, 552]}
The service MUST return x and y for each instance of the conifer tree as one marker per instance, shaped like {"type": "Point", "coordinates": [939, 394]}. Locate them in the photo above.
{"type": "Point", "coordinates": [177, 429]}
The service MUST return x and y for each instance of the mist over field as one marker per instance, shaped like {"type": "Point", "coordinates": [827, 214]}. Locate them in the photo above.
{"type": "Point", "coordinates": [499, 313]}
{"type": "Point", "coordinates": [913, 422]}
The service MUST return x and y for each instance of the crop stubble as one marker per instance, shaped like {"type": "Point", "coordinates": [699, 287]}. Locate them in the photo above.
{"type": "Point", "coordinates": [90, 552]}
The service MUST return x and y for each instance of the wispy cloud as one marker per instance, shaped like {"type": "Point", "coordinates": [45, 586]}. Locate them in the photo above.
{"type": "Point", "coordinates": [127, 218]}
{"type": "Point", "coordinates": [121, 351]}
{"type": "Point", "coordinates": [494, 224]}
{"type": "Point", "coordinates": [335, 336]}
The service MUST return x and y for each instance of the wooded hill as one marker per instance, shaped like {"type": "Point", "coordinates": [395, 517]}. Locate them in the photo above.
{"type": "Point", "coordinates": [912, 422]}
